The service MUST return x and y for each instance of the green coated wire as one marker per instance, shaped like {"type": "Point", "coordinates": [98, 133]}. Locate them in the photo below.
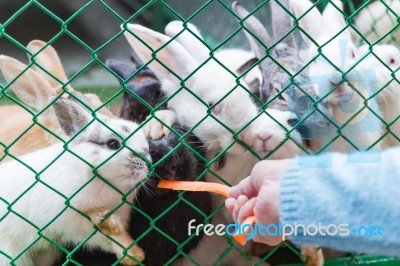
{"type": "Point", "coordinates": [164, 11]}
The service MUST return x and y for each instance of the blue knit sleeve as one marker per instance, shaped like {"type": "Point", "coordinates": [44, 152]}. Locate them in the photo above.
{"type": "Point", "coordinates": [357, 198]}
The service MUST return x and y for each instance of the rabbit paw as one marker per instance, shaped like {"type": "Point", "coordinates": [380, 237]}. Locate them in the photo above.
{"type": "Point", "coordinates": [312, 256]}
{"type": "Point", "coordinates": [110, 226]}
{"type": "Point", "coordinates": [135, 252]}
{"type": "Point", "coordinates": [156, 130]}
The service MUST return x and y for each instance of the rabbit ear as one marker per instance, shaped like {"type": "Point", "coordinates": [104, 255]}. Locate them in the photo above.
{"type": "Point", "coordinates": [334, 17]}
{"type": "Point", "coordinates": [172, 54]}
{"type": "Point", "coordinates": [71, 115]}
{"type": "Point", "coordinates": [186, 36]}
{"type": "Point", "coordinates": [122, 69]}
{"type": "Point", "coordinates": [252, 82]}
{"type": "Point", "coordinates": [246, 65]}
{"type": "Point", "coordinates": [30, 86]}
{"type": "Point", "coordinates": [46, 56]}
{"type": "Point", "coordinates": [254, 25]}
{"type": "Point", "coordinates": [310, 20]}
{"type": "Point", "coordinates": [136, 59]}
{"type": "Point", "coordinates": [282, 22]}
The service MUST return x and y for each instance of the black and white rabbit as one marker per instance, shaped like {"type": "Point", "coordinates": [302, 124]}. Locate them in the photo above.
{"type": "Point", "coordinates": [181, 164]}
{"type": "Point", "coordinates": [173, 161]}
{"type": "Point", "coordinates": [144, 84]}
{"type": "Point", "coordinates": [147, 95]}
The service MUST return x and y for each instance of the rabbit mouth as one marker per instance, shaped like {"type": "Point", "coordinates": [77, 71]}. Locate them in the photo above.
{"type": "Point", "coordinates": [263, 147]}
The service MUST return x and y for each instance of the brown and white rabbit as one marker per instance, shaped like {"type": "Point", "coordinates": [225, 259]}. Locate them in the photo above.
{"type": "Point", "coordinates": [44, 193]}
{"type": "Point", "coordinates": [35, 87]}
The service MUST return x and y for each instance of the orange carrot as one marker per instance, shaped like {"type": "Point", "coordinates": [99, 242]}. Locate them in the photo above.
{"type": "Point", "coordinates": [207, 187]}
{"type": "Point", "coordinates": [241, 239]}
{"type": "Point", "coordinates": [195, 186]}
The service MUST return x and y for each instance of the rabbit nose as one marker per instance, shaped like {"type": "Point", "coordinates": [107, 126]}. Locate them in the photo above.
{"type": "Point", "coordinates": [264, 136]}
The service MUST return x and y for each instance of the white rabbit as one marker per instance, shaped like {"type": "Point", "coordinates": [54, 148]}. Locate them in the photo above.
{"type": "Point", "coordinates": [378, 19]}
{"type": "Point", "coordinates": [383, 61]}
{"type": "Point", "coordinates": [95, 171]}
{"type": "Point", "coordinates": [355, 125]}
{"type": "Point", "coordinates": [273, 136]}
{"type": "Point", "coordinates": [233, 58]}
{"type": "Point", "coordinates": [211, 83]}
{"type": "Point", "coordinates": [35, 87]}
{"type": "Point", "coordinates": [286, 53]}
{"type": "Point", "coordinates": [380, 64]}
{"type": "Point", "coordinates": [210, 99]}
{"type": "Point", "coordinates": [239, 60]}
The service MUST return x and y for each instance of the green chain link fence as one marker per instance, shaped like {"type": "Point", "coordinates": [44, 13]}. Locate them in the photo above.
{"type": "Point", "coordinates": [161, 13]}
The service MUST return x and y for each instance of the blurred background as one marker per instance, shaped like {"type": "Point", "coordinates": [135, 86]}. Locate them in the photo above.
{"type": "Point", "coordinates": [90, 25]}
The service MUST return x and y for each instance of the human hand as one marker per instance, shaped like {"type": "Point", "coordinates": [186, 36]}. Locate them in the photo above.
{"type": "Point", "coordinates": [258, 195]}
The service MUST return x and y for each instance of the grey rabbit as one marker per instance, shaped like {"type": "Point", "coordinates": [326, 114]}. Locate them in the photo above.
{"type": "Point", "coordinates": [283, 87]}
{"type": "Point", "coordinates": [279, 69]}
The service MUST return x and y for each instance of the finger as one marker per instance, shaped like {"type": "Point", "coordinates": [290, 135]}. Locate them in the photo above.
{"type": "Point", "coordinates": [239, 203]}
{"type": "Point", "coordinates": [246, 210]}
{"type": "Point", "coordinates": [251, 185]}
{"type": "Point", "coordinates": [245, 187]}
{"type": "Point", "coordinates": [230, 204]}
{"type": "Point", "coordinates": [266, 209]}
{"type": "Point", "coordinates": [268, 240]}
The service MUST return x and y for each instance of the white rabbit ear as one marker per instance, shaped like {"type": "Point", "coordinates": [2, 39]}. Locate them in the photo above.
{"type": "Point", "coordinates": [186, 36]}
{"type": "Point", "coordinates": [71, 115]}
{"type": "Point", "coordinates": [312, 22]}
{"type": "Point", "coordinates": [31, 87]}
{"type": "Point", "coordinates": [256, 27]}
{"type": "Point", "coordinates": [173, 55]}
{"type": "Point", "coordinates": [46, 56]}
{"type": "Point", "coordinates": [333, 16]}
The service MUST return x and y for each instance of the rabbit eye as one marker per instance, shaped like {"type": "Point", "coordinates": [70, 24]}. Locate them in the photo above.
{"type": "Point", "coordinates": [292, 121]}
{"type": "Point", "coordinates": [392, 61]}
{"type": "Point", "coordinates": [280, 95]}
{"type": "Point", "coordinates": [215, 110]}
{"type": "Point", "coordinates": [113, 144]}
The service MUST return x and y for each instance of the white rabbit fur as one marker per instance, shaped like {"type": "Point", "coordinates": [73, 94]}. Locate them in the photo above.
{"type": "Point", "coordinates": [264, 126]}
{"type": "Point", "coordinates": [237, 165]}
{"type": "Point", "coordinates": [34, 193]}
{"type": "Point", "coordinates": [210, 83]}
{"type": "Point", "coordinates": [234, 58]}
{"type": "Point", "coordinates": [384, 60]}
{"type": "Point", "coordinates": [381, 63]}
{"type": "Point", "coordinates": [346, 97]}
{"type": "Point", "coordinates": [377, 19]}
{"type": "Point", "coordinates": [34, 87]}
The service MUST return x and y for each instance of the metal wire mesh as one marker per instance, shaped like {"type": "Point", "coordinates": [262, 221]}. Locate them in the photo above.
{"type": "Point", "coordinates": [372, 37]}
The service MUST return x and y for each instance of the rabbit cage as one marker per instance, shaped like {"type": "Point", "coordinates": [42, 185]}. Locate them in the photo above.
{"type": "Point", "coordinates": [88, 36]}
